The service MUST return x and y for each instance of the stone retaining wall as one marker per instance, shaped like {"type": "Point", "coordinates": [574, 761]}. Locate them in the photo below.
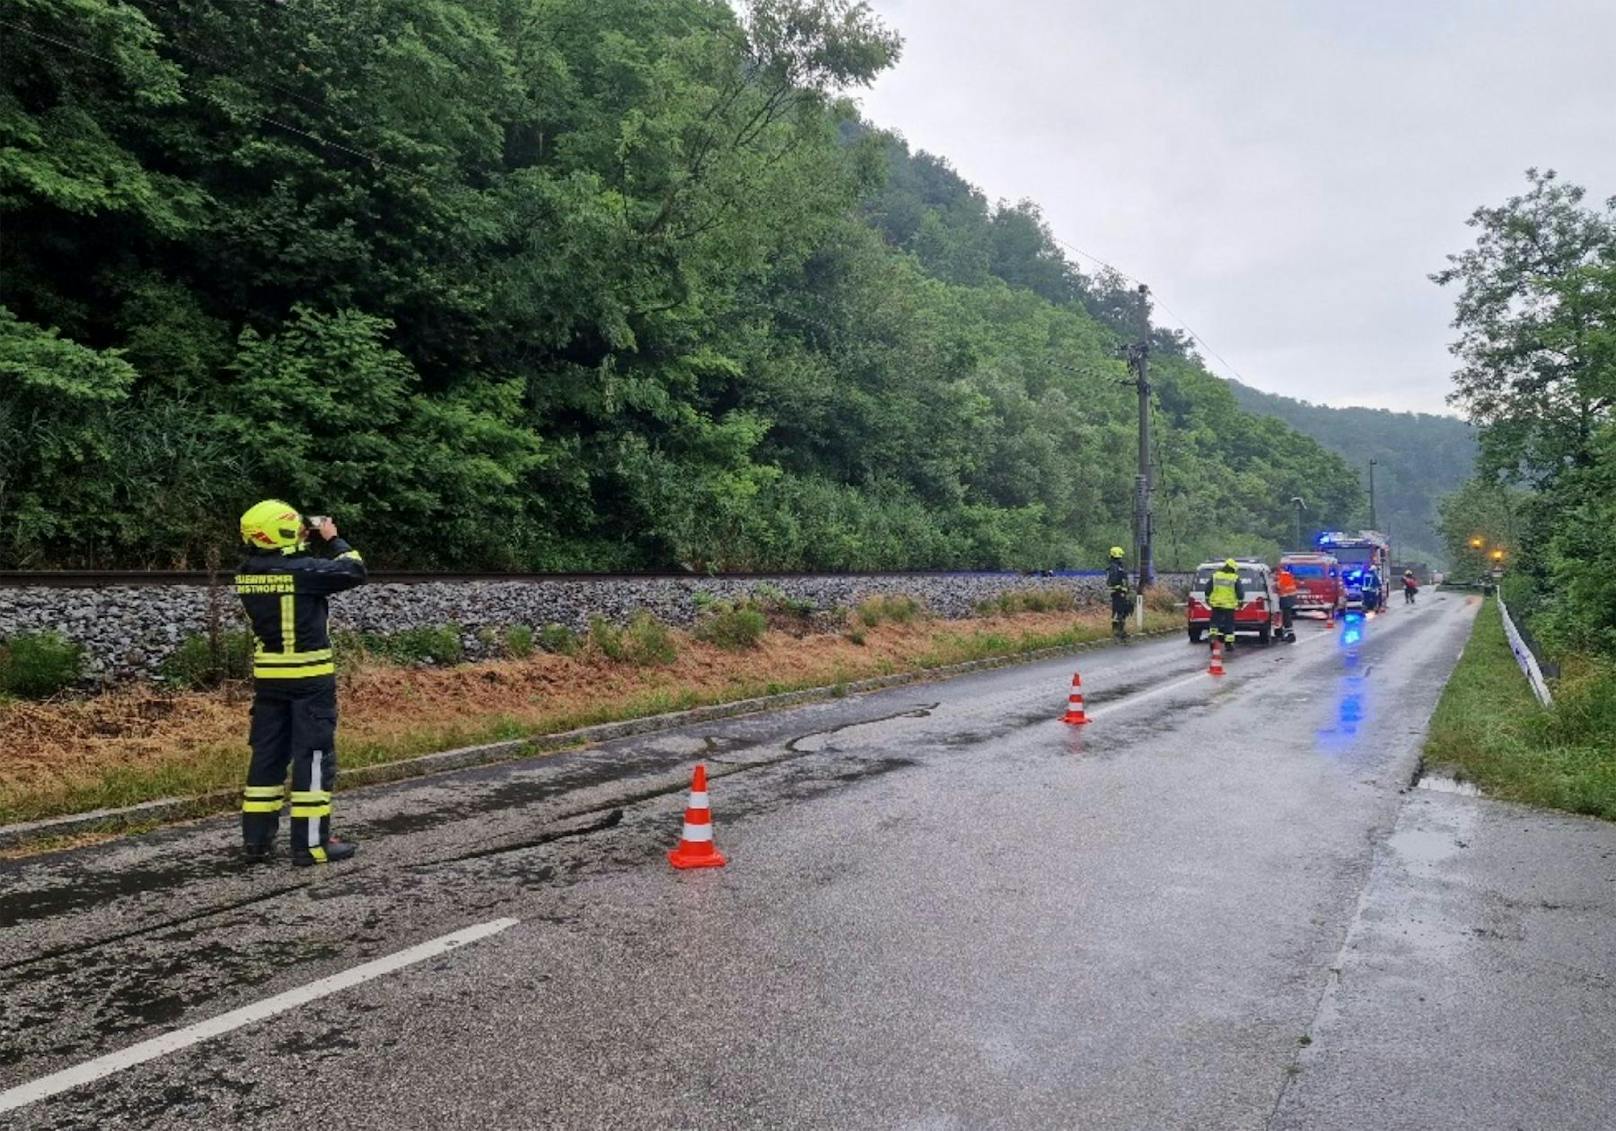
{"type": "Point", "coordinates": [128, 631]}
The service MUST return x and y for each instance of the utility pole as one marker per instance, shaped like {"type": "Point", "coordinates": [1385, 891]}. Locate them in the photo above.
{"type": "Point", "coordinates": [1300, 504]}
{"type": "Point", "coordinates": [1373, 525]}
{"type": "Point", "coordinates": [1138, 360]}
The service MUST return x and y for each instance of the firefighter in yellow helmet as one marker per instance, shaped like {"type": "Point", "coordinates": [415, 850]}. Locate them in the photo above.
{"type": "Point", "coordinates": [284, 590]}
{"type": "Point", "coordinates": [1224, 595]}
{"type": "Point", "coordinates": [1116, 580]}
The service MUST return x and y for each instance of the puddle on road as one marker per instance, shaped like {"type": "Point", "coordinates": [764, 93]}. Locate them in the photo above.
{"type": "Point", "coordinates": [1439, 784]}
{"type": "Point", "coordinates": [1424, 846]}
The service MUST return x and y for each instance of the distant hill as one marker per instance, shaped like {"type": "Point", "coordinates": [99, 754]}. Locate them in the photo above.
{"type": "Point", "coordinates": [1419, 458]}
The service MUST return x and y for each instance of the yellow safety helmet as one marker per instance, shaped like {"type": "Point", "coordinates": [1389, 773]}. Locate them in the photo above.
{"type": "Point", "coordinates": [1230, 564]}
{"type": "Point", "coordinates": [1116, 551]}
{"type": "Point", "coordinates": [272, 525]}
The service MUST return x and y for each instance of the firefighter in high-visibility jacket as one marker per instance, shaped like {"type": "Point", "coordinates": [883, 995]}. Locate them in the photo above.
{"type": "Point", "coordinates": [1224, 595]}
{"type": "Point", "coordinates": [1285, 582]}
{"type": "Point", "coordinates": [1116, 580]}
{"type": "Point", "coordinates": [284, 590]}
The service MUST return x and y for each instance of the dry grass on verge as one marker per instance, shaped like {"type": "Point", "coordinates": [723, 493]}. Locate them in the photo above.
{"type": "Point", "coordinates": [140, 743]}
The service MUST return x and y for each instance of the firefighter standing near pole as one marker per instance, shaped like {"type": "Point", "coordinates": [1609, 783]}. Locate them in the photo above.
{"type": "Point", "coordinates": [1116, 579]}
{"type": "Point", "coordinates": [284, 590]}
{"type": "Point", "coordinates": [1224, 595]}
{"type": "Point", "coordinates": [1285, 582]}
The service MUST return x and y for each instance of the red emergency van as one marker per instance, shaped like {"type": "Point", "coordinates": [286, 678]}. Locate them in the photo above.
{"type": "Point", "coordinates": [1319, 587]}
{"type": "Point", "coordinates": [1258, 615]}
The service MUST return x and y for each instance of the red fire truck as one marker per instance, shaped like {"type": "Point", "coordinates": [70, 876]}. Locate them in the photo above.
{"type": "Point", "coordinates": [1365, 559]}
{"type": "Point", "coordinates": [1319, 588]}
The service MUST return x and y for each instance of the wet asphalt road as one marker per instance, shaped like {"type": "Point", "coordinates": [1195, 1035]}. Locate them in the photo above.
{"type": "Point", "coordinates": [944, 908]}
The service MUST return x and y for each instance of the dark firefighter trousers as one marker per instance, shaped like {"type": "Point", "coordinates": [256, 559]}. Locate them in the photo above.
{"type": "Point", "coordinates": [297, 726]}
{"type": "Point", "coordinates": [1121, 606]}
{"type": "Point", "coordinates": [1223, 626]}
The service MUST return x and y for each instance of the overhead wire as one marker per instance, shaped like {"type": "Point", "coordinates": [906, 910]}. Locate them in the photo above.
{"type": "Point", "coordinates": [375, 160]}
{"type": "Point", "coordinates": [171, 43]}
{"type": "Point", "coordinates": [1188, 329]}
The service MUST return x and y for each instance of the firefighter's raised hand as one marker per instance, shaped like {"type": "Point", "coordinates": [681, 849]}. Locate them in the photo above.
{"type": "Point", "coordinates": [322, 526]}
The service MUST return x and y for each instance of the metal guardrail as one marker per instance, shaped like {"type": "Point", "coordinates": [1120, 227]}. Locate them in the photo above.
{"type": "Point", "coordinates": [1524, 657]}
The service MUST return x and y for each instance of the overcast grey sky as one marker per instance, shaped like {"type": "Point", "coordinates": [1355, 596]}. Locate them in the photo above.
{"type": "Point", "coordinates": [1284, 175]}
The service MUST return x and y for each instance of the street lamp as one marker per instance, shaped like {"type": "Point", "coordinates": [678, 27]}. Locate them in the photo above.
{"type": "Point", "coordinates": [1373, 525]}
{"type": "Point", "coordinates": [1475, 543]}
{"type": "Point", "coordinates": [1300, 505]}
{"type": "Point", "coordinates": [1498, 555]}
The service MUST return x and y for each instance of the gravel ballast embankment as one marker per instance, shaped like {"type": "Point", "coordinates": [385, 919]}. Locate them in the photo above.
{"type": "Point", "coordinates": [128, 631]}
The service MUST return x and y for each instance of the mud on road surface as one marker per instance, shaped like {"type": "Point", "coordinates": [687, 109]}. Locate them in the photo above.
{"type": "Point", "coordinates": [943, 908]}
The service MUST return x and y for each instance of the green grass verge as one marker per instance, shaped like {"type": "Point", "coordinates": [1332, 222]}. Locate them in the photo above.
{"type": "Point", "coordinates": [1490, 730]}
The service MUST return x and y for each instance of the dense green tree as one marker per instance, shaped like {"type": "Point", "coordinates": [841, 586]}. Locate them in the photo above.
{"type": "Point", "coordinates": [1579, 554]}
{"type": "Point", "coordinates": [1534, 316]}
{"type": "Point", "coordinates": [557, 284]}
{"type": "Point", "coordinates": [1537, 319]}
{"type": "Point", "coordinates": [1480, 518]}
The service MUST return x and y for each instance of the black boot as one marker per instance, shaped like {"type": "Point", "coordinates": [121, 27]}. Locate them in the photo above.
{"type": "Point", "coordinates": [334, 850]}
{"type": "Point", "coordinates": [257, 853]}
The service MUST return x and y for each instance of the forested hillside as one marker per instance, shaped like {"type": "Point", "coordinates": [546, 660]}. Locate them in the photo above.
{"type": "Point", "coordinates": [570, 284]}
{"type": "Point", "coordinates": [1420, 457]}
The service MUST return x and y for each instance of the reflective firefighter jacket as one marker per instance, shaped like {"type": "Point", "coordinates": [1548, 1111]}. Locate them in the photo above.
{"type": "Point", "coordinates": [1225, 592]}
{"type": "Point", "coordinates": [285, 598]}
{"type": "Point", "coordinates": [1117, 578]}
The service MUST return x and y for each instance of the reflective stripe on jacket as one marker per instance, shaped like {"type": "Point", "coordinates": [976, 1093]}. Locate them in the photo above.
{"type": "Point", "coordinates": [1117, 578]}
{"type": "Point", "coordinates": [1226, 592]}
{"type": "Point", "coordinates": [284, 596]}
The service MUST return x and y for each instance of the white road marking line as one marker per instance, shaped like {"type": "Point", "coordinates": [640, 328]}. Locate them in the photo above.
{"type": "Point", "coordinates": [67, 1078]}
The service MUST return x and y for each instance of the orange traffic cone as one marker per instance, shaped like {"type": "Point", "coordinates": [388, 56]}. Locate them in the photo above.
{"type": "Point", "coordinates": [1074, 702]}
{"type": "Point", "coordinates": [1217, 657]}
{"type": "Point", "coordinates": [696, 848]}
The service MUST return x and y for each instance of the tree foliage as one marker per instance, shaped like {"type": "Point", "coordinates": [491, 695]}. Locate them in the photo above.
{"type": "Point", "coordinates": [1535, 316]}
{"type": "Point", "coordinates": [1537, 322]}
{"type": "Point", "coordinates": [577, 284]}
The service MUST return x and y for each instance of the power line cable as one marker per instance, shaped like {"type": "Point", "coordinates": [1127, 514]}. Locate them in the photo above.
{"type": "Point", "coordinates": [1202, 342]}
{"type": "Point", "coordinates": [375, 160]}
{"type": "Point", "coordinates": [227, 67]}
{"type": "Point", "coordinates": [1188, 329]}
